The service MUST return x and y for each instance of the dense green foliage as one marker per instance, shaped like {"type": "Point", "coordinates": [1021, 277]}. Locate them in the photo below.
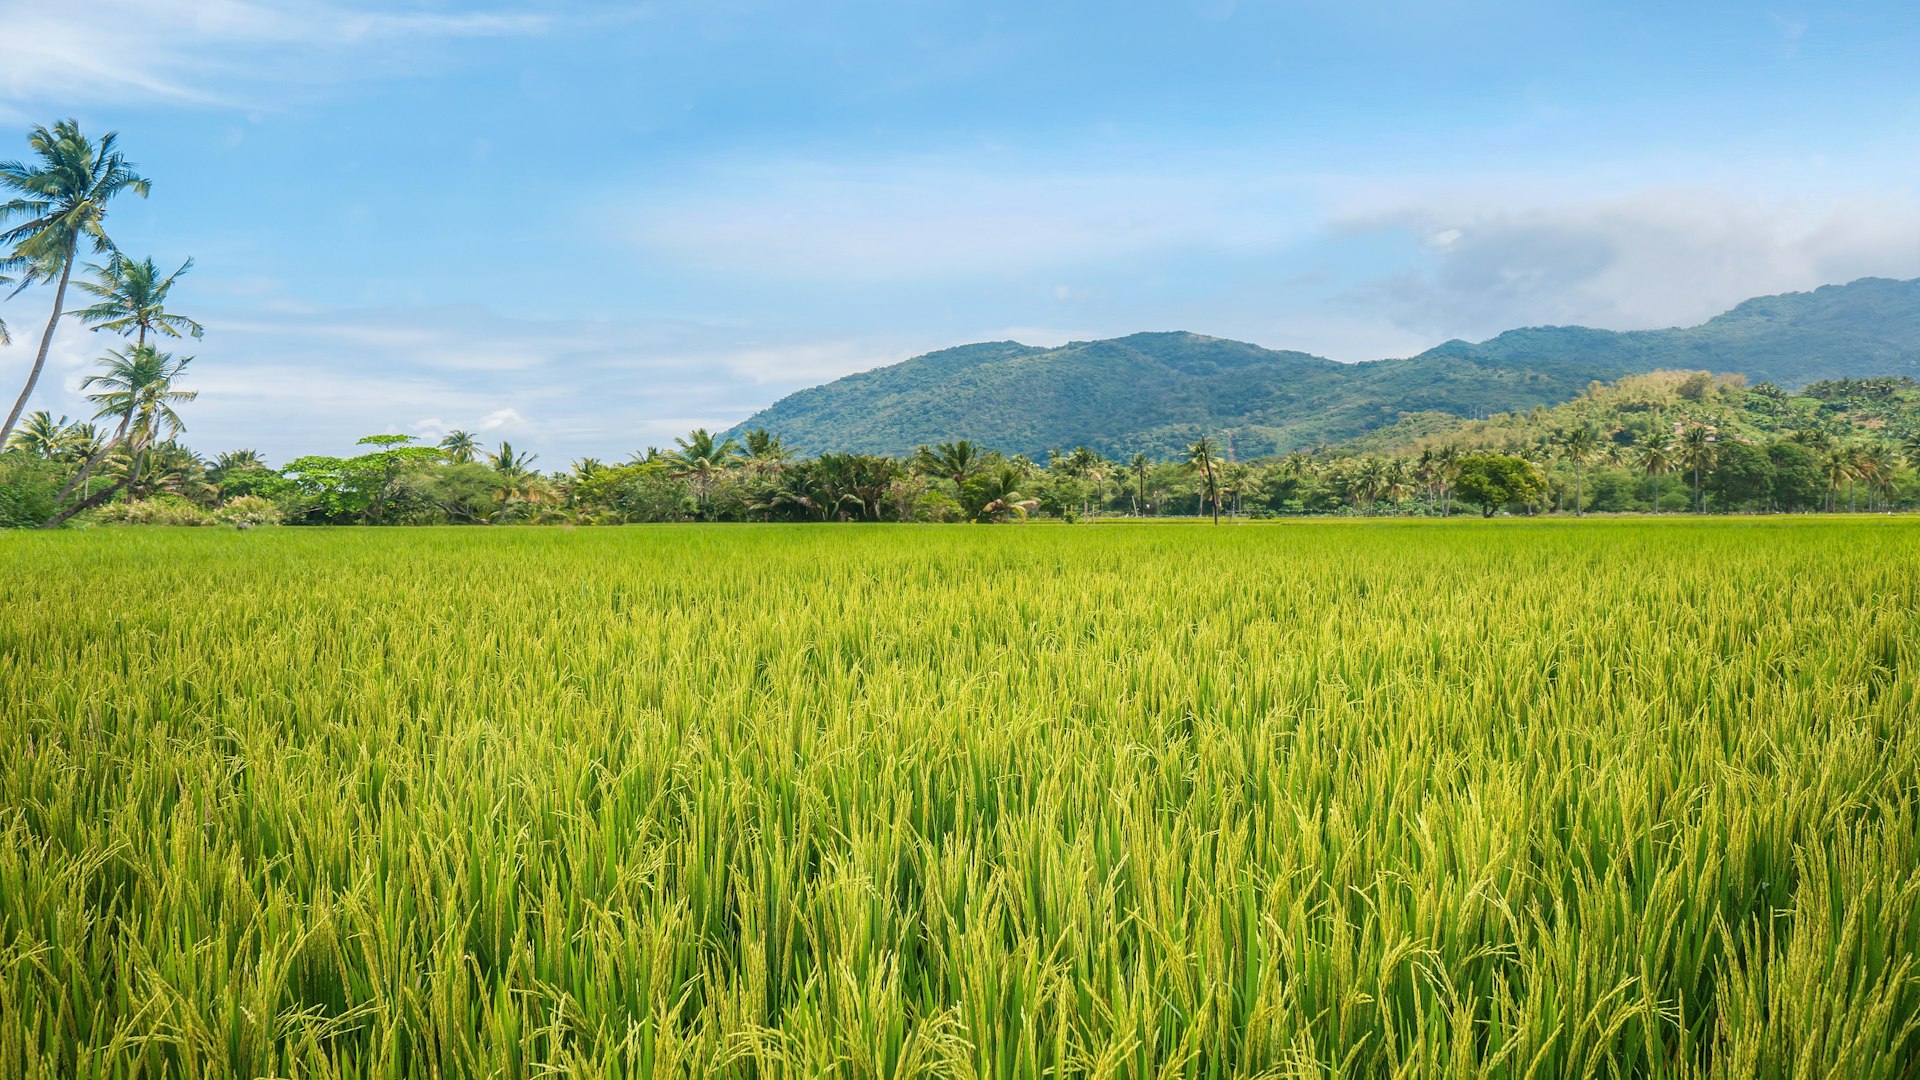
{"type": "Point", "coordinates": [1497, 799]}
{"type": "Point", "coordinates": [1493, 482]}
{"type": "Point", "coordinates": [1157, 393]}
{"type": "Point", "coordinates": [1664, 441]}
{"type": "Point", "coordinates": [1842, 444]}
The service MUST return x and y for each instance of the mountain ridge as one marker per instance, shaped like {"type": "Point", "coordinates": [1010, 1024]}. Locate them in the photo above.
{"type": "Point", "coordinates": [1154, 391]}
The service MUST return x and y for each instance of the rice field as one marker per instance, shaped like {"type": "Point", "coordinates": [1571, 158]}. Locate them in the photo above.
{"type": "Point", "coordinates": [1411, 799]}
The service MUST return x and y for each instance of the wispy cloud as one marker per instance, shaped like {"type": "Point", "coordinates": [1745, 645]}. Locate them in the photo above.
{"type": "Point", "coordinates": [212, 51]}
{"type": "Point", "coordinates": [313, 381]}
{"type": "Point", "coordinates": [1660, 257]}
{"type": "Point", "coordinates": [916, 218]}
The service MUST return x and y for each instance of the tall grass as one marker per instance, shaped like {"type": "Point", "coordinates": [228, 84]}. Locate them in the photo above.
{"type": "Point", "coordinates": [1419, 799]}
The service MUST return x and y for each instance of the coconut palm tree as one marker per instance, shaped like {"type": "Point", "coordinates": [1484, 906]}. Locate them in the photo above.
{"type": "Point", "coordinates": [1578, 445]}
{"type": "Point", "coordinates": [507, 462]}
{"type": "Point", "coordinates": [64, 196]}
{"type": "Point", "coordinates": [80, 442]}
{"type": "Point", "coordinates": [133, 300]}
{"type": "Point", "coordinates": [137, 387]}
{"type": "Point", "coordinates": [1096, 471]}
{"type": "Point", "coordinates": [1837, 469]}
{"type": "Point", "coordinates": [1426, 469]}
{"type": "Point", "coordinates": [231, 464]}
{"type": "Point", "coordinates": [956, 461]}
{"type": "Point", "coordinates": [1236, 478]}
{"type": "Point", "coordinates": [1656, 458]}
{"type": "Point", "coordinates": [1698, 450]}
{"type": "Point", "coordinates": [1447, 462]}
{"type": "Point", "coordinates": [461, 446]}
{"type": "Point", "coordinates": [165, 467]}
{"type": "Point", "coordinates": [1140, 466]}
{"type": "Point", "coordinates": [1201, 456]}
{"type": "Point", "coordinates": [129, 375]}
{"type": "Point", "coordinates": [1371, 478]}
{"type": "Point", "coordinates": [1875, 463]}
{"type": "Point", "coordinates": [1004, 499]}
{"type": "Point", "coordinates": [41, 435]}
{"type": "Point", "coordinates": [702, 460]}
{"type": "Point", "coordinates": [238, 461]}
{"type": "Point", "coordinates": [765, 454]}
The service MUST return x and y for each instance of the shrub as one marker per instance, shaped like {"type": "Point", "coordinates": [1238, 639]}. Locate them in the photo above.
{"type": "Point", "coordinates": [27, 487]}
{"type": "Point", "coordinates": [249, 510]}
{"type": "Point", "coordinates": [158, 510]}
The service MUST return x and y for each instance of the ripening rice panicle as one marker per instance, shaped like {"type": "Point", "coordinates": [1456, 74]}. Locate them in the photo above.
{"type": "Point", "coordinates": [1421, 799]}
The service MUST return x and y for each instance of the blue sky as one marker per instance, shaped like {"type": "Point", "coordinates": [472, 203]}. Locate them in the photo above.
{"type": "Point", "coordinates": [590, 227]}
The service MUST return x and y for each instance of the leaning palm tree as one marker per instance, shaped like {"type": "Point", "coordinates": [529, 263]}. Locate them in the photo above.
{"type": "Point", "coordinates": [137, 387]}
{"type": "Point", "coordinates": [41, 435]}
{"type": "Point", "coordinates": [1201, 456]}
{"type": "Point", "coordinates": [165, 467]}
{"type": "Point", "coordinates": [64, 196]}
{"type": "Point", "coordinates": [133, 300]}
{"type": "Point", "coordinates": [137, 382]}
{"type": "Point", "coordinates": [461, 446]}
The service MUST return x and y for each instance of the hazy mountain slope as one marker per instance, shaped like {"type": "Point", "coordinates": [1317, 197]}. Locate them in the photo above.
{"type": "Point", "coordinates": [1154, 392]}
{"type": "Point", "coordinates": [1867, 328]}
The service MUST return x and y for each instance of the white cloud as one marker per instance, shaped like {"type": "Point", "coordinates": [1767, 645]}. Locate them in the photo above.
{"type": "Point", "coordinates": [300, 382]}
{"type": "Point", "coordinates": [891, 220]}
{"type": "Point", "coordinates": [1660, 257]}
{"type": "Point", "coordinates": [502, 420]}
{"type": "Point", "coordinates": [211, 51]}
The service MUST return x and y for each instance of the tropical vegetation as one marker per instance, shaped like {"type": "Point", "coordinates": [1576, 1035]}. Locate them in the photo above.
{"type": "Point", "coordinates": [1664, 442]}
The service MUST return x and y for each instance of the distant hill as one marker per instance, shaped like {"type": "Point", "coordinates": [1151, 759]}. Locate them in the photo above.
{"type": "Point", "coordinates": [1155, 392]}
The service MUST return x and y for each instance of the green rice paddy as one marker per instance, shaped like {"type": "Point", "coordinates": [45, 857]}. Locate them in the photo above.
{"type": "Point", "coordinates": [1510, 799]}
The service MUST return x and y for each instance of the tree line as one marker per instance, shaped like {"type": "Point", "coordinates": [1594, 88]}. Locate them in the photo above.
{"type": "Point", "coordinates": [396, 479]}
{"type": "Point", "coordinates": [1662, 442]}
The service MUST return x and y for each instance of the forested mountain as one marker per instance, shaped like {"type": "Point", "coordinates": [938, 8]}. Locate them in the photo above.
{"type": "Point", "coordinates": [1156, 392]}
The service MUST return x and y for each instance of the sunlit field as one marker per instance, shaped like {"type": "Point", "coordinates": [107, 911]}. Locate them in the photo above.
{"type": "Point", "coordinates": [1509, 799]}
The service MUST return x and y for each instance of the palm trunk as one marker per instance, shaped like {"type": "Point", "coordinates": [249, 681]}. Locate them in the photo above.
{"type": "Point", "coordinates": [87, 503]}
{"type": "Point", "coordinates": [1214, 494]}
{"type": "Point", "coordinates": [46, 339]}
{"type": "Point", "coordinates": [92, 462]}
